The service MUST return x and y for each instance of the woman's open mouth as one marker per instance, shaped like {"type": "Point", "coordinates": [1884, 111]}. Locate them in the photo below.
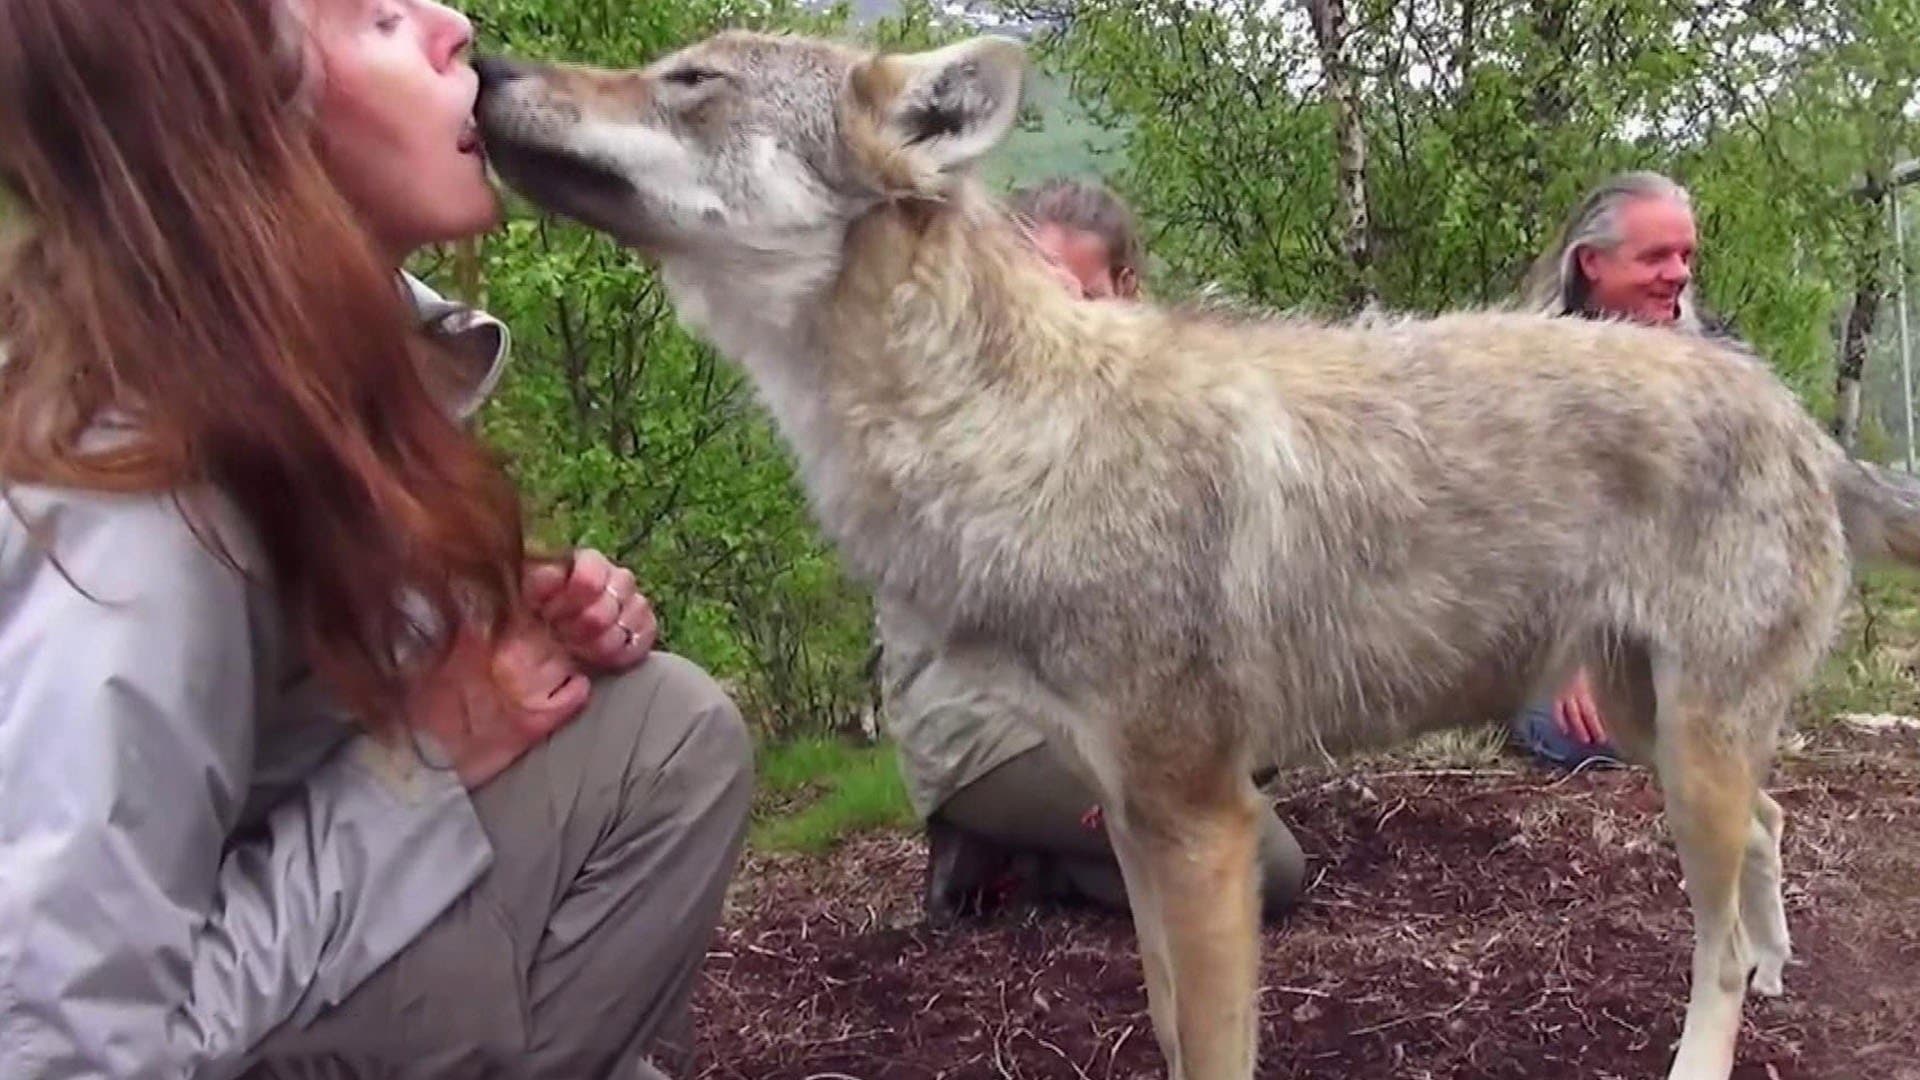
{"type": "Point", "coordinates": [471, 142]}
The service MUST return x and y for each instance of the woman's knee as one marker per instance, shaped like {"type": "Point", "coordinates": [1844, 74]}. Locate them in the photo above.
{"type": "Point", "coordinates": [680, 709]}
{"type": "Point", "coordinates": [717, 743]}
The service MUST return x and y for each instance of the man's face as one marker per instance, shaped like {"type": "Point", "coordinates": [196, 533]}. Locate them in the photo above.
{"type": "Point", "coordinates": [1643, 277]}
{"type": "Point", "coordinates": [1084, 255]}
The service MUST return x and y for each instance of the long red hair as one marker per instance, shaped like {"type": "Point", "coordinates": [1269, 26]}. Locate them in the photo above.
{"type": "Point", "coordinates": [179, 258]}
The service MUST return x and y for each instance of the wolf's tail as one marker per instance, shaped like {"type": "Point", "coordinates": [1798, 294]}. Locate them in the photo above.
{"type": "Point", "coordinates": [1880, 510]}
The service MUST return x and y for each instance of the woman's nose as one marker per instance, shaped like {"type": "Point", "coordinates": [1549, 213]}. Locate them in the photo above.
{"type": "Point", "coordinates": [450, 33]}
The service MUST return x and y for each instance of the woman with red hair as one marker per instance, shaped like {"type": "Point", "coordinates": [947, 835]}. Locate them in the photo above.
{"type": "Point", "coordinates": [303, 762]}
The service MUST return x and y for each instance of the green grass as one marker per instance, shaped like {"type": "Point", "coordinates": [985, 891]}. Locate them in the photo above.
{"type": "Point", "coordinates": [1469, 748]}
{"type": "Point", "coordinates": [817, 791]}
{"type": "Point", "coordinates": [1872, 668]}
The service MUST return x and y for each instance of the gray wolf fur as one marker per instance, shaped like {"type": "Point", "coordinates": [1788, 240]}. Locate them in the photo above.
{"type": "Point", "coordinates": [1209, 542]}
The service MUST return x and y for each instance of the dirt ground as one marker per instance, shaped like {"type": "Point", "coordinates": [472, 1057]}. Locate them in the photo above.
{"type": "Point", "coordinates": [1461, 924]}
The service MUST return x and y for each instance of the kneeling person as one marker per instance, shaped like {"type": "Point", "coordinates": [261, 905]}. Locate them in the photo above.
{"type": "Point", "coordinates": [1005, 811]}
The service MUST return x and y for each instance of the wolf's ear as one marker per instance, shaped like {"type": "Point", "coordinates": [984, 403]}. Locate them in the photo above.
{"type": "Point", "coordinates": [939, 111]}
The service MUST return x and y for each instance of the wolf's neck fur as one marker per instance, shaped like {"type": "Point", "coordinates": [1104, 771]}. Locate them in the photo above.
{"type": "Point", "coordinates": [935, 384]}
{"type": "Point", "coordinates": [951, 349]}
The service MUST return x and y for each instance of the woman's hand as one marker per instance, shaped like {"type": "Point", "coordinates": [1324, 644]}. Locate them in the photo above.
{"type": "Point", "coordinates": [483, 708]}
{"type": "Point", "coordinates": [594, 609]}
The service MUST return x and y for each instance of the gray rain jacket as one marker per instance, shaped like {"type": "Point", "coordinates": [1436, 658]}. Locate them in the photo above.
{"type": "Point", "coordinates": [195, 847]}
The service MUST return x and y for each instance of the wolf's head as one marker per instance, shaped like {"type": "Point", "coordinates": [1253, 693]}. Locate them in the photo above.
{"type": "Point", "coordinates": [746, 143]}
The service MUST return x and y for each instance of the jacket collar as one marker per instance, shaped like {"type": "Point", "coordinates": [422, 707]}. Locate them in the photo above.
{"type": "Point", "coordinates": [477, 343]}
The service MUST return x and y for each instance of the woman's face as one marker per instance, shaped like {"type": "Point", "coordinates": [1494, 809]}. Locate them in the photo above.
{"type": "Point", "coordinates": [395, 119]}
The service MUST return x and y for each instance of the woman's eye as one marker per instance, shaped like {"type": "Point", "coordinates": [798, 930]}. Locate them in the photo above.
{"type": "Point", "coordinates": [387, 22]}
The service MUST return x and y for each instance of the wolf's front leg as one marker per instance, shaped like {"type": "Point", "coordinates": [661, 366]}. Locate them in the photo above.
{"type": "Point", "coordinates": [1190, 869]}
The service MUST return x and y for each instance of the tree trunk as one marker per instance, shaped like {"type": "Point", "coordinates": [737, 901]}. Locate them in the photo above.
{"type": "Point", "coordinates": [1867, 296]}
{"type": "Point", "coordinates": [1869, 292]}
{"type": "Point", "coordinates": [1332, 32]}
{"type": "Point", "coordinates": [1550, 108]}
{"type": "Point", "coordinates": [1463, 53]}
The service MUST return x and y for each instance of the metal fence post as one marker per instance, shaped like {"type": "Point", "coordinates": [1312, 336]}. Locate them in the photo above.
{"type": "Point", "coordinates": [1906, 351]}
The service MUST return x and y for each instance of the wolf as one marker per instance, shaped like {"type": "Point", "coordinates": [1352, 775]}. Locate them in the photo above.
{"type": "Point", "coordinates": [1201, 543]}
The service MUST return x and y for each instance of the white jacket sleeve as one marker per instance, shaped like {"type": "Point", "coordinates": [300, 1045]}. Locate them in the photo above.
{"type": "Point", "coordinates": [137, 938]}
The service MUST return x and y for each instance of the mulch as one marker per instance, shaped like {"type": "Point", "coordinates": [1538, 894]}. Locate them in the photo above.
{"type": "Point", "coordinates": [1460, 924]}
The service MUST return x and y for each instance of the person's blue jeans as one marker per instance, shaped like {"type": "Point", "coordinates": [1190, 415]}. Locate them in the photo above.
{"type": "Point", "coordinates": [1536, 731]}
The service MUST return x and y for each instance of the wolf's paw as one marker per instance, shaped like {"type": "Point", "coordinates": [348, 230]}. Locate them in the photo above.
{"type": "Point", "coordinates": [1768, 969]}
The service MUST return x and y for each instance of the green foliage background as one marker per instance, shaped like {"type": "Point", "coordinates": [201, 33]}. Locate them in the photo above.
{"type": "Point", "coordinates": [1486, 120]}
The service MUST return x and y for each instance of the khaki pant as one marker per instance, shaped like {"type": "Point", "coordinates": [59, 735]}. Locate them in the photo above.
{"type": "Point", "coordinates": [576, 954]}
{"type": "Point", "coordinates": [1033, 804]}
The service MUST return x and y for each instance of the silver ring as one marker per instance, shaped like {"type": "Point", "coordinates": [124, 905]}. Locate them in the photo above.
{"type": "Point", "coordinates": [610, 591]}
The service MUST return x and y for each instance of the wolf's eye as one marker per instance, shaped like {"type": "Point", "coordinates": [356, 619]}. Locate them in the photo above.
{"type": "Point", "coordinates": [691, 76]}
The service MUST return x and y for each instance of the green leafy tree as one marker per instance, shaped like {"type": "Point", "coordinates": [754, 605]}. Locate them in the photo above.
{"type": "Point", "coordinates": [1820, 95]}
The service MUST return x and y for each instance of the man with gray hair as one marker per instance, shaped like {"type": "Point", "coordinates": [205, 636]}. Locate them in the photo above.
{"type": "Point", "coordinates": [1626, 252]}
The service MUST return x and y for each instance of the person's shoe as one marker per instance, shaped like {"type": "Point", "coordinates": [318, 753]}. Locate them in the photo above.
{"type": "Point", "coordinates": [962, 871]}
